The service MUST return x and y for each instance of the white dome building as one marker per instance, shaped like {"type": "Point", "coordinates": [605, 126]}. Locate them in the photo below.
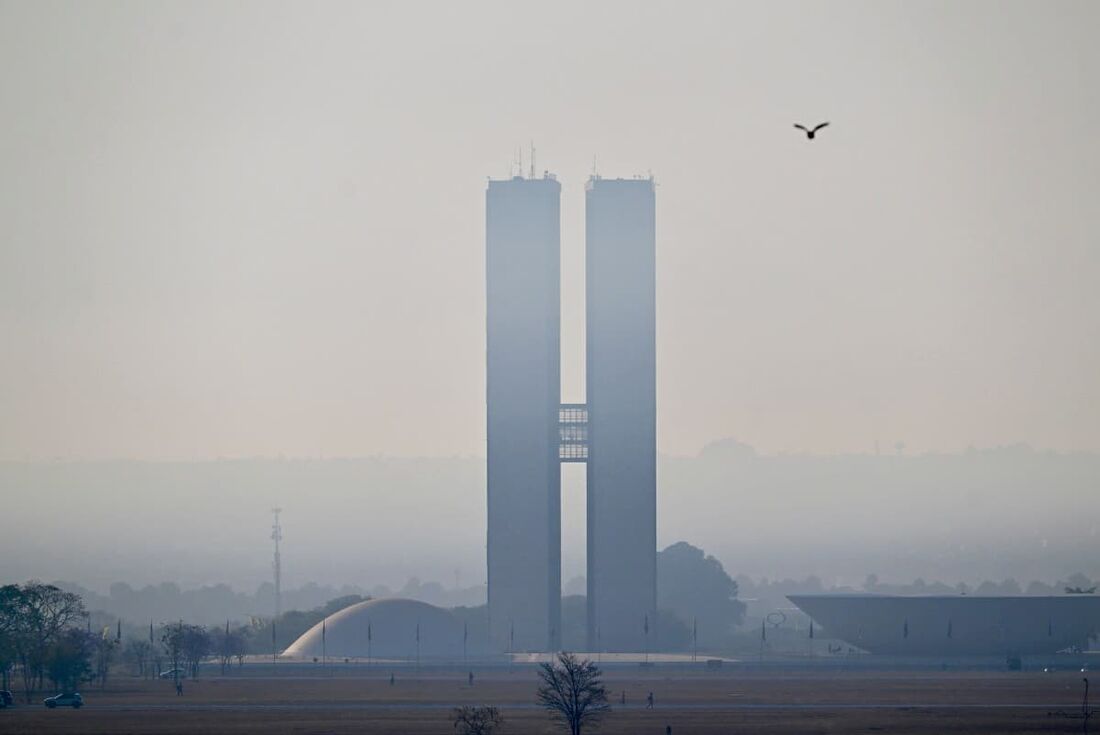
{"type": "Point", "coordinates": [392, 625]}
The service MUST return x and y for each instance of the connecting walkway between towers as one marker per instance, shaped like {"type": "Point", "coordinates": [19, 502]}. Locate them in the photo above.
{"type": "Point", "coordinates": [573, 432]}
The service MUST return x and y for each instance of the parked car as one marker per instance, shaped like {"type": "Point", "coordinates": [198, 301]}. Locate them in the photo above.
{"type": "Point", "coordinates": [68, 699]}
{"type": "Point", "coordinates": [6, 698]}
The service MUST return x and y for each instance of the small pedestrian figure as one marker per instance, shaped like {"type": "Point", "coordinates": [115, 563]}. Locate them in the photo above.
{"type": "Point", "coordinates": [471, 678]}
{"type": "Point", "coordinates": [179, 688]}
{"type": "Point", "coordinates": [649, 701]}
{"type": "Point", "coordinates": [622, 699]}
{"type": "Point", "coordinates": [668, 729]}
{"type": "Point", "coordinates": [391, 680]}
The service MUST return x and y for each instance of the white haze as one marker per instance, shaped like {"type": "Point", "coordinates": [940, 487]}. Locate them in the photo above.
{"type": "Point", "coordinates": [256, 230]}
{"type": "Point", "coordinates": [975, 515]}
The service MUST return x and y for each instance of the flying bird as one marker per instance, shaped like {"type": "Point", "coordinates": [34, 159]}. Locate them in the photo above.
{"type": "Point", "coordinates": [810, 131]}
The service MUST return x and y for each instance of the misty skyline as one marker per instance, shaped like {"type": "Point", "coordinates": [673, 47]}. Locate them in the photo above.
{"type": "Point", "coordinates": [968, 516]}
{"type": "Point", "coordinates": [257, 230]}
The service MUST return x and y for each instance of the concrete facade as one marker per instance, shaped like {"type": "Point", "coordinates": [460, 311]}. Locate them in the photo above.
{"type": "Point", "coordinates": [530, 432]}
{"type": "Point", "coordinates": [620, 242]}
{"type": "Point", "coordinates": [522, 276]}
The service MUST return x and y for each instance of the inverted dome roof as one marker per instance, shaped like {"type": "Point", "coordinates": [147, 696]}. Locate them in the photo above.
{"type": "Point", "coordinates": [393, 625]}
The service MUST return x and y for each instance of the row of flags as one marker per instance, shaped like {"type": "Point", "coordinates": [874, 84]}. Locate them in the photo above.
{"type": "Point", "coordinates": [512, 631]}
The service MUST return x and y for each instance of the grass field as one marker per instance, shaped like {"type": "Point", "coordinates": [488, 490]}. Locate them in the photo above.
{"type": "Point", "coordinates": [810, 700]}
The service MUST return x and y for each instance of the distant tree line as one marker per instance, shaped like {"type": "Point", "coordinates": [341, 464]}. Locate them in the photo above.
{"type": "Point", "coordinates": [212, 604]}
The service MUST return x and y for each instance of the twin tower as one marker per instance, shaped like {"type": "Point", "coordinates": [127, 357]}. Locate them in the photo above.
{"type": "Point", "coordinates": [531, 432]}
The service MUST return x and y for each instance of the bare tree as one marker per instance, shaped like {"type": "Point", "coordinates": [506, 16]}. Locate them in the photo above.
{"type": "Point", "coordinates": [470, 720]}
{"type": "Point", "coordinates": [572, 692]}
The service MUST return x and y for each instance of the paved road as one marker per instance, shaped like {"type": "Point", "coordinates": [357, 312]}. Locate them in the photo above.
{"type": "Point", "coordinates": [698, 706]}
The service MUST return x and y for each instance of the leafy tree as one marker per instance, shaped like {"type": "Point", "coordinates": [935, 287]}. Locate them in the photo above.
{"type": "Point", "coordinates": [673, 634]}
{"type": "Point", "coordinates": [186, 645]}
{"type": "Point", "coordinates": [196, 647]}
{"type": "Point", "coordinates": [9, 606]}
{"type": "Point", "coordinates": [139, 652]}
{"type": "Point", "coordinates": [695, 587]}
{"type": "Point", "coordinates": [38, 615]}
{"type": "Point", "coordinates": [477, 720]}
{"type": "Point", "coordinates": [69, 658]}
{"type": "Point", "coordinates": [227, 644]}
{"type": "Point", "coordinates": [105, 647]}
{"type": "Point", "coordinates": [171, 638]}
{"type": "Point", "coordinates": [572, 692]}
{"type": "Point", "coordinates": [239, 645]}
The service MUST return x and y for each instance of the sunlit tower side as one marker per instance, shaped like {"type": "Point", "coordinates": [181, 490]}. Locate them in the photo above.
{"type": "Point", "coordinates": [277, 536]}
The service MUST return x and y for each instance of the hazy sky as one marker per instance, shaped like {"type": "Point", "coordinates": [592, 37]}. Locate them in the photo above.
{"type": "Point", "coordinates": [255, 229]}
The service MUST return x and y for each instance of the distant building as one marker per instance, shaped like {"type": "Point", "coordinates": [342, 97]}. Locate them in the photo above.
{"type": "Point", "coordinates": [389, 629]}
{"type": "Point", "coordinates": [530, 432]}
{"type": "Point", "coordinates": [956, 625]}
{"type": "Point", "coordinates": [620, 272]}
{"type": "Point", "coordinates": [523, 393]}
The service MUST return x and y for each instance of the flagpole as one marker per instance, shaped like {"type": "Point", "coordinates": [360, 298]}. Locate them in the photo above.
{"type": "Point", "coordinates": [763, 637]}
{"type": "Point", "coordinates": [694, 640]}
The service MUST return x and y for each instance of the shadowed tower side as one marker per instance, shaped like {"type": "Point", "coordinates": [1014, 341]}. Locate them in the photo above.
{"type": "Point", "coordinates": [621, 358]}
{"type": "Point", "coordinates": [523, 392]}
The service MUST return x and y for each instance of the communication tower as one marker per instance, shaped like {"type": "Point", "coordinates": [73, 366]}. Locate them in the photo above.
{"type": "Point", "coordinates": [277, 536]}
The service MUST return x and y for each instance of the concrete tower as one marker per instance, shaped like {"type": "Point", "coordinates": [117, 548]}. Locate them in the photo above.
{"type": "Point", "coordinates": [622, 414]}
{"type": "Point", "coordinates": [522, 274]}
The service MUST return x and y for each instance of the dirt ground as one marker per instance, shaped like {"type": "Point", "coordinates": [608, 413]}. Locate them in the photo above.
{"type": "Point", "coordinates": [343, 701]}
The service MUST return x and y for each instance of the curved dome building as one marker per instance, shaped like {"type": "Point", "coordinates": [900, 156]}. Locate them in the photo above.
{"type": "Point", "coordinates": [392, 625]}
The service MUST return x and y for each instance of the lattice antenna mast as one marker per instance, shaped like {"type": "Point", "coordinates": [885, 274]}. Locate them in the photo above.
{"type": "Point", "coordinates": [277, 536]}
{"type": "Point", "coordinates": [532, 160]}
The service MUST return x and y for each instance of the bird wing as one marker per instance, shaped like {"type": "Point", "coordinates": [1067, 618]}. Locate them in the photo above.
{"type": "Point", "coordinates": [819, 127]}
{"type": "Point", "coordinates": [800, 127]}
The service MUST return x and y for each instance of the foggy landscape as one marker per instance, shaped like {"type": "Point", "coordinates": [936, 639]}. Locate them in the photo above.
{"type": "Point", "coordinates": [959, 517]}
{"type": "Point", "coordinates": [400, 368]}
